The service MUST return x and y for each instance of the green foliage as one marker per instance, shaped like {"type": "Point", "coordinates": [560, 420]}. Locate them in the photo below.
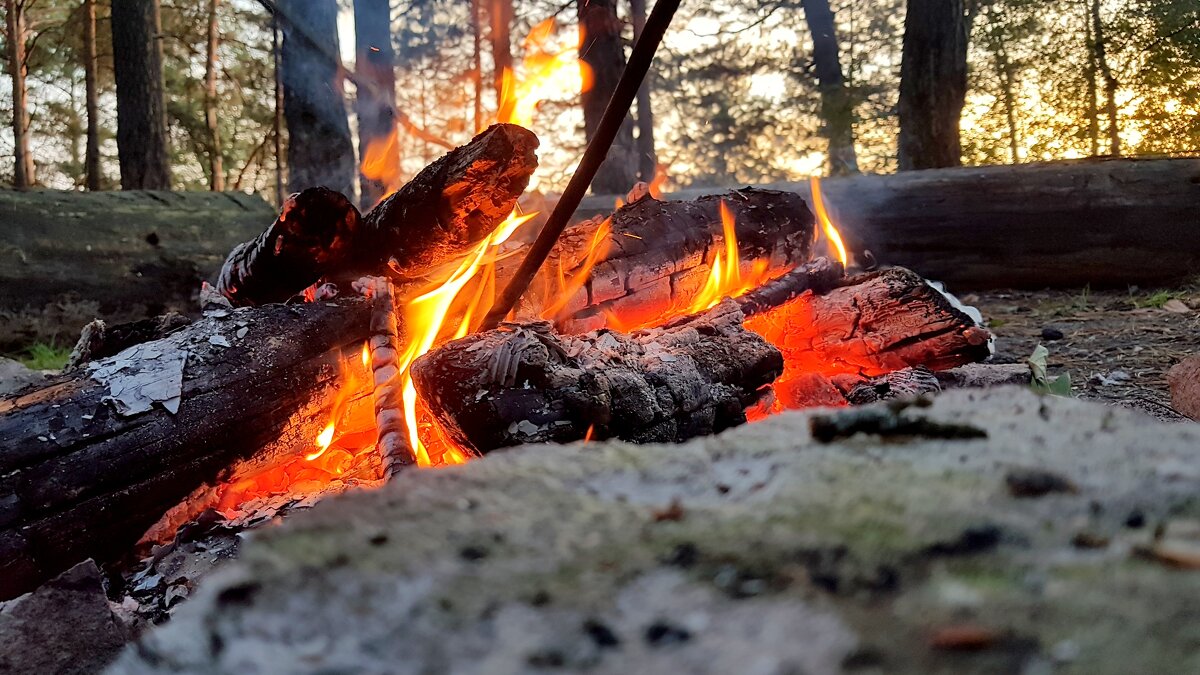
{"type": "Point", "coordinates": [1156, 299]}
{"type": "Point", "coordinates": [43, 356]}
{"type": "Point", "coordinates": [1041, 381]}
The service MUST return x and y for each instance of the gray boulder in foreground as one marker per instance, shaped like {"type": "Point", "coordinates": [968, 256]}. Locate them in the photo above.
{"type": "Point", "coordinates": [761, 550]}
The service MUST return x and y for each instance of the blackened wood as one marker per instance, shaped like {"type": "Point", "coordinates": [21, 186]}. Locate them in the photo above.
{"type": "Point", "coordinates": [656, 254]}
{"type": "Point", "coordinates": [1107, 223]}
{"type": "Point", "coordinates": [873, 324]}
{"type": "Point", "coordinates": [818, 276]}
{"type": "Point", "coordinates": [452, 204]}
{"type": "Point", "coordinates": [315, 234]}
{"type": "Point", "coordinates": [447, 208]}
{"type": "Point", "coordinates": [79, 480]}
{"type": "Point", "coordinates": [524, 383]}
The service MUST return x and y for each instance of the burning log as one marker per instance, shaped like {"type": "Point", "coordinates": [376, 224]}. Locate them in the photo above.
{"type": "Point", "coordinates": [445, 209]}
{"type": "Point", "coordinates": [89, 462]}
{"type": "Point", "coordinates": [523, 383]}
{"type": "Point", "coordinates": [1107, 222]}
{"type": "Point", "coordinates": [873, 324]}
{"type": "Point", "coordinates": [313, 236]}
{"type": "Point", "coordinates": [651, 254]}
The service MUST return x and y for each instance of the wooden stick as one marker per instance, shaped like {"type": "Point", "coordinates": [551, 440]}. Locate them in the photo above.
{"type": "Point", "coordinates": [818, 276]}
{"type": "Point", "coordinates": [384, 345]}
{"type": "Point", "coordinates": [627, 88]}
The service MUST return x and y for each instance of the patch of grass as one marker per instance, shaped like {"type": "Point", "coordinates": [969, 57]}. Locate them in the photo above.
{"type": "Point", "coordinates": [1081, 302]}
{"type": "Point", "coordinates": [42, 356]}
{"type": "Point", "coordinates": [1156, 299]}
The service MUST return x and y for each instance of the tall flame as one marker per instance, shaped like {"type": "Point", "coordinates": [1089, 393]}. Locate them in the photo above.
{"type": "Point", "coordinates": [546, 73]}
{"type": "Point", "coordinates": [831, 232]}
{"type": "Point", "coordinates": [381, 161]}
{"type": "Point", "coordinates": [725, 278]}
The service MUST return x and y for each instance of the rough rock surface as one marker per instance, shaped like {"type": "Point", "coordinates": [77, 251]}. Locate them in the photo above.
{"type": "Point", "coordinates": [15, 376]}
{"type": "Point", "coordinates": [66, 626]}
{"type": "Point", "coordinates": [1184, 379]}
{"type": "Point", "coordinates": [761, 550]}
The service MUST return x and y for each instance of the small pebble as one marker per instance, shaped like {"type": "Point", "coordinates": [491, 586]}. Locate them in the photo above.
{"type": "Point", "coordinates": [1049, 333]}
{"type": "Point", "coordinates": [661, 633]}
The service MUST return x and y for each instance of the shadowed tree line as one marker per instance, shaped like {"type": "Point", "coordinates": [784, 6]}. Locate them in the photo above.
{"type": "Point", "coordinates": [254, 94]}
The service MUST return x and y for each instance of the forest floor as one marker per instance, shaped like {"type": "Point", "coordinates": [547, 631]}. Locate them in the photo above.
{"type": "Point", "coordinates": [1117, 346]}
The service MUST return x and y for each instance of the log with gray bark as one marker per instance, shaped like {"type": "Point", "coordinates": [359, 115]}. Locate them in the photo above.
{"type": "Point", "coordinates": [447, 208]}
{"type": "Point", "coordinates": [1105, 222]}
{"type": "Point", "coordinates": [525, 383]}
{"type": "Point", "coordinates": [90, 461]}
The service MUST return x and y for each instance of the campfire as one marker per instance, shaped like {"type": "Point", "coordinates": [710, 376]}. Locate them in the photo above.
{"type": "Point", "coordinates": [339, 348]}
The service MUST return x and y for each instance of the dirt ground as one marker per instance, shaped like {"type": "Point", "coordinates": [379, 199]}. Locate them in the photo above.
{"type": "Point", "coordinates": [1117, 346]}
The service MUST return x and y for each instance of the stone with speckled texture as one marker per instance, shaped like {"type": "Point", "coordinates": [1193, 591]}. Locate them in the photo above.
{"type": "Point", "coordinates": [756, 551]}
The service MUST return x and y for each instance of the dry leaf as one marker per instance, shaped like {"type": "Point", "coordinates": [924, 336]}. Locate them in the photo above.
{"type": "Point", "coordinates": [963, 638]}
{"type": "Point", "coordinates": [1176, 306]}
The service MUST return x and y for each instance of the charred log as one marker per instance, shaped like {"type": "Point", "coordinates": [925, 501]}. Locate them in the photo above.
{"type": "Point", "coordinates": [653, 254]}
{"type": "Point", "coordinates": [523, 383]}
{"type": "Point", "coordinates": [314, 235]}
{"type": "Point", "coordinates": [89, 462]}
{"type": "Point", "coordinates": [872, 324]}
{"type": "Point", "coordinates": [819, 276]}
{"type": "Point", "coordinates": [452, 204]}
{"type": "Point", "coordinates": [448, 207]}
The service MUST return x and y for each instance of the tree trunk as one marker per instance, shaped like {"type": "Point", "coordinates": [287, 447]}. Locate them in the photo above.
{"type": "Point", "coordinates": [933, 84]}
{"type": "Point", "coordinates": [23, 170]}
{"type": "Point", "coordinates": [141, 112]}
{"type": "Point", "coordinates": [501, 16]}
{"type": "Point", "coordinates": [1010, 106]}
{"type": "Point", "coordinates": [837, 108]}
{"type": "Point", "coordinates": [82, 479]}
{"type": "Point", "coordinates": [477, 64]}
{"type": "Point", "coordinates": [1093, 107]}
{"type": "Point", "coordinates": [603, 52]}
{"type": "Point", "coordinates": [647, 157]}
{"type": "Point", "coordinates": [375, 104]}
{"type": "Point", "coordinates": [277, 123]}
{"type": "Point", "coordinates": [320, 151]}
{"type": "Point", "coordinates": [216, 163]}
{"type": "Point", "coordinates": [90, 66]}
{"type": "Point", "coordinates": [1110, 81]}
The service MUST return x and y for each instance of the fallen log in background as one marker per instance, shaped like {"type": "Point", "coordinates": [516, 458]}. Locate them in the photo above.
{"type": "Point", "coordinates": [1103, 222]}
{"type": "Point", "coordinates": [523, 383]}
{"type": "Point", "coordinates": [68, 257]}
{"type": "Point", "coordinates": [449, 206]}
{"type": "Point", "coordinates": [78, 479]}
{"type": "Point", "coordinates": [656, 254]}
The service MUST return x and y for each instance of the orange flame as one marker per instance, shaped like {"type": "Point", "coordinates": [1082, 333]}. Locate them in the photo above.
{"type": "Point", "coordinates": [725, 278]}
{"type": "Point", "coordinates": [381, 162]}
{"type": "Point", "coordinates": [831, 233]}
{"type": "Point", "coordinates": [546, 72]}
{"type": "Point", "coordinates": [565, 289]}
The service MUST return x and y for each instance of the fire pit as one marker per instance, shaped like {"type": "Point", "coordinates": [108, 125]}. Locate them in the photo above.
{"type": "Point", "coordinates": [664, 321]}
